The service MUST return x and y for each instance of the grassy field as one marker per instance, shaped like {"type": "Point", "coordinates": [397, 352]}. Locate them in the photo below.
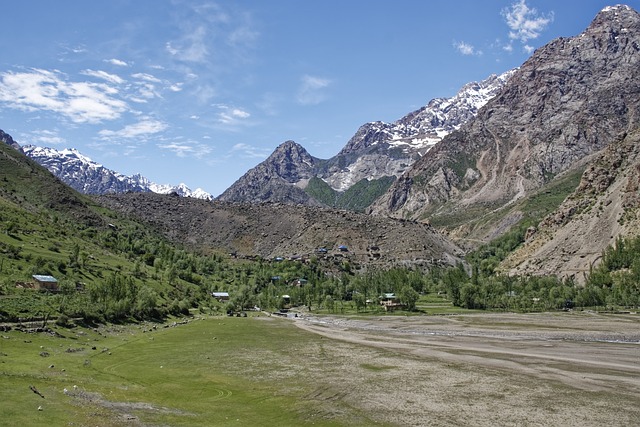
{"type": "Point", "coordinates": [218, 371]}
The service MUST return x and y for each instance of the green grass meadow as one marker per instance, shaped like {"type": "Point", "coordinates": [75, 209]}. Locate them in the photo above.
{"type": "Point", "coordinates": [213, 371]}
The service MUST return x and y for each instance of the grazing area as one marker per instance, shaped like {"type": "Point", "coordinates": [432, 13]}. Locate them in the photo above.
{"type": "Point", "coordinates": [484, 369]}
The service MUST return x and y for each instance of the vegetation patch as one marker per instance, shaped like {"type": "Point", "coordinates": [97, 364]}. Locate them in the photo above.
{"type": "Point", "coordinates": [357, 198]}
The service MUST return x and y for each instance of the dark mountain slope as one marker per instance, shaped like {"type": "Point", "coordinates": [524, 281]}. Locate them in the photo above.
{"type": "Point", "coordinates": [278, 179]}
{"type": "Point", "coordinates": [281, 230]}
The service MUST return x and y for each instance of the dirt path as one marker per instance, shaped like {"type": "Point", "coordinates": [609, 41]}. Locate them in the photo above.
{"type": "Point", "coordinates": [587, 354]}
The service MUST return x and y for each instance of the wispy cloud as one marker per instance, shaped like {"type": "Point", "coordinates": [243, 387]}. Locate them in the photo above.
{"type": "Point", "coordinates": [525, 23]}
{"type": "Point", "coordinates": [187, 149]}
{"type": "Point", "coordinates": [118, 62]}
{"type": "Point", "coordinates": [312, 90]}
{"type": "Point", "coordinates": [140, 130]}
{"type": "Point", "coordinates": [192, 47]}
{"type": "Point", "coordinates": [232, 115]}
{"type": "Point", "coordinates": [42, 90]}
{"type": "Point", "coordinates": [111, 78]}
{"type": "Point", "coordinates": [466, 48]}
{"type": "Point", "coordinates": [213, 34]}
{"type": "Point", "coordinates": [46, 138]}
{"type": "Point", "coordinates": [250, 151]}
{"type": "Point", "coordinates": [146, 77]}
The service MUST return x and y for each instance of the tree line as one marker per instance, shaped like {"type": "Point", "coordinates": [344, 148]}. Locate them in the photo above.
{"type": "Point", "coordinates": [159, 279]}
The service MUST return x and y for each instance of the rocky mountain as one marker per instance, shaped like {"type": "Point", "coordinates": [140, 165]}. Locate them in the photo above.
{"type": "Point", "coordinates": [566, 103]}
{"type": "Point", "coordinates": [604, 207]}
{"type": "Point", "coordinates": [382, 149]}
{"type": "Point", "coordinates": [280, 178]}
{"type": "Point", "coordinates": [7, 139]}
{"type": "Point", "coordinates": [88, 177]}
{"type": "Point", "coordinates": [376, 151]}
{"type": "Point", "coordinates": [336, 239]}
{"type": "Point", "coordinates": [279, 230]}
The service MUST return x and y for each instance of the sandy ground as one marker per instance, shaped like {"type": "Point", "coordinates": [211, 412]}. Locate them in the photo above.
{"type": "Point", "coordinates": [569, 369]}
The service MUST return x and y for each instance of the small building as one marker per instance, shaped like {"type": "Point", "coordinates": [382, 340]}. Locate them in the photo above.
{"type": "Point", "coordinates": [343, 248]}
{"type": "Point", "coordinates": [46, 282]}
{"type": "Point", "coordinates": [299, 282]}
{"type": "Point", "coordinates": [390, 302]}
{"type": "Point", "coordinates": [220, 296]}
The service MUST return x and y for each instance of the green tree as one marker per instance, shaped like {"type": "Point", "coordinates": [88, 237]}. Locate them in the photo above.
{"type": "Point", "coordinates": [146, 302]}
{"type": "Point", "coordinates": [408, 297]}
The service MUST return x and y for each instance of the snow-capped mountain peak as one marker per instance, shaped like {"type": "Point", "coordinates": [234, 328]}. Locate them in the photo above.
{"type": "Point", "coordinates": [89, 177]}
{"type": "Point", "coordinates": [419, 130]}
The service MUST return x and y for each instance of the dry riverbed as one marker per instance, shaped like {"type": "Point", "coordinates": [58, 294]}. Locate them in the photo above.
{"type": "Point", "coordinates": [569, 369]}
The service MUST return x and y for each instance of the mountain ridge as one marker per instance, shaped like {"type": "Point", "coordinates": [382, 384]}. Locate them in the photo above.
{"type": "Point", "coordinates": [569, 100]}
{"type": "Point", "coordinates": [377, 150]}
{"type": "Point", "coordinates": [565, 111]}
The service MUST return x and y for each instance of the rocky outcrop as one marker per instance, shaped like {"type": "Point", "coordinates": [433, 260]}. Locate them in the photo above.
{"type": "Point", "coordinates": [7, 139]}
{"type": "Point", "coordinates": [571, 99]}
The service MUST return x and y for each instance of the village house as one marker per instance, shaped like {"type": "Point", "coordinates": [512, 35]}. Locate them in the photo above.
{"type": "Point", "coordinates": [390, 302]}
{"type": "Point", "coordinates": [220, 296]}
{"type": "Point", "coordinates": [46, 282]}
{"type": "Point", "coordinates": [299, 282]}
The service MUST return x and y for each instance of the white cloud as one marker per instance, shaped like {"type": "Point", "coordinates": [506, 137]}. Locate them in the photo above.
{"type": "Point", "coordinates": [46, 138]}
{"type": "Point", "coordinates": [117, 62]}
{"type": "Point", "coordinates": [185, 149]}
{"type": "Point", "coordinates": [524, 22]}
{"type": "Point", "coordinates": [146, 77]}
{"type": "Point", "coordinates": [250, 151]}
{"type": "Point", "coordinates": [111, 78]}
{"type": "Point", "coordinates": [42, 90]}
{"type": "Point", "coordinates": [311, 90]}
{"type": "Point", "coordinates": [141, 130]}
{"type": "Point", "coordinates": [466, 48]}
{"type": "Point", "coordinates": [231, 115]}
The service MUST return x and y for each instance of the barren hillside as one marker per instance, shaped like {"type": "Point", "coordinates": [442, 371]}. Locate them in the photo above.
{"type": "Point", "coordinates": [280, 230]}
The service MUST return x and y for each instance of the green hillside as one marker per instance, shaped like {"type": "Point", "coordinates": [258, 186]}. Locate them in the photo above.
{"type": "Point", "coordinates": [357, 198]}
{"type": "Point", "coordinates": [108, 268]}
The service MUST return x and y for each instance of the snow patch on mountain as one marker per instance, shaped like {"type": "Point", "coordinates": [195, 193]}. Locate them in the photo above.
{"type": "Point", "coordinates": [381, 149]}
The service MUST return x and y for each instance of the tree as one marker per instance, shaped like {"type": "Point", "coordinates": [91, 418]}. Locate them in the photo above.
{"type": "Point", "coordinates": [329, 303]}
{"type": "Point", "coordinates": [408, 296]}
{"type": "Point", "coordinates": [146, 302]}
{"type": "Point", "coordinates": [360, 301]}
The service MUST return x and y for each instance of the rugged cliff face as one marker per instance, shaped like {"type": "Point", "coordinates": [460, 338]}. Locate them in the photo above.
{"type": "Point", "coordinates": [571, 99]}
{"type": "Point", "coordinates": [605, 206]}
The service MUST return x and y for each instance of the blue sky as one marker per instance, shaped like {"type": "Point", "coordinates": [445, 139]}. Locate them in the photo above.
{"type": "Point", "coordinates": [199, 92]}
